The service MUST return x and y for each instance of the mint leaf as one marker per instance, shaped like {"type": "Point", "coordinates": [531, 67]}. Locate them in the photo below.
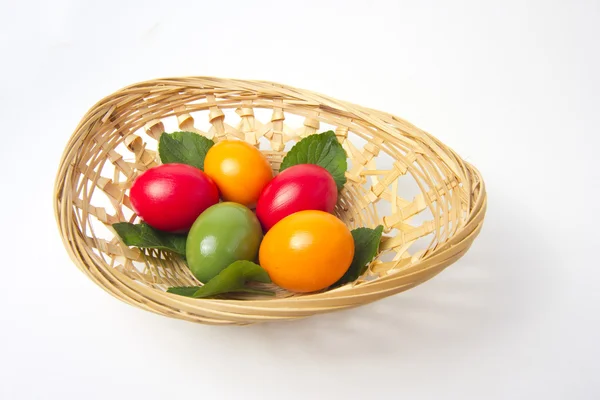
{"type": "Point", "coordinates": [321, 149]}
{"type": "Point", "coordinates": [366, 244]}
{"type": "Point", "coordinates": [144, 236]}
{"type": "Point", "coordinates": [231, 279]}
{"type": "Point", "coordinates": [184, 148]}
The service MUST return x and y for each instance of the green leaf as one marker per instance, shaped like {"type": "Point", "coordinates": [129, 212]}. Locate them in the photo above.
{"type": "Point", "coordinates": [184, 148]}
{"type": "Point", "coordinates": [144, 236]}
{"type": "Point", "coordinates": [232, 279]}
{"type": "Point", "coordinates": [321, 149]}
{"type": "Point", "coordinates": [188, 291]}
{"type": "Point", "coordinates": [366, 245]}
{"type": "Point", "coordinates": [183, 290]}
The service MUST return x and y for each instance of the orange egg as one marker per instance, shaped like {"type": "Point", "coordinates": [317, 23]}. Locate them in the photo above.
{"type": "Point", "coordinates": [239, 169]}
{"type": "Point", "coordinates": [307, 251]}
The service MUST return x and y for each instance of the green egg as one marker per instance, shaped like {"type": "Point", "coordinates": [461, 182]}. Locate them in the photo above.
{"type": "Point", "coordinates": [222, 234]}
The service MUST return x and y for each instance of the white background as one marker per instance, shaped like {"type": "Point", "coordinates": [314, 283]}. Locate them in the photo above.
{"type": "Point", "coordinates": [513, 86]}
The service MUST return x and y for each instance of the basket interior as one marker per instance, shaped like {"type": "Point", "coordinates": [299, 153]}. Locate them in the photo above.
{"type": "Point", "coordinates": [401, 182]}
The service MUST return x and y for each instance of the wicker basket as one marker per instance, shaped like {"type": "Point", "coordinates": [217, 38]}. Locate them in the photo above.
{"type": "Point", "coordinates": [430, 201]}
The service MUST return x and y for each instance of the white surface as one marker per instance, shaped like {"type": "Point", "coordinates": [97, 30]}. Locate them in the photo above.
{"type": "Point", "coordinates": [513, 86]}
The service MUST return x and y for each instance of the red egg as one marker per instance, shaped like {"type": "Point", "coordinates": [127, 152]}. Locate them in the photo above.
{"type": "Point", "coordinates": [171, 196]}
{"type": "Point", "coordinates": [298, 188]}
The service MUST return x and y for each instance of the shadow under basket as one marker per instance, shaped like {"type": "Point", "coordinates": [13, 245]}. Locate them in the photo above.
{"type": "Point", "coordinates": [429, 200]}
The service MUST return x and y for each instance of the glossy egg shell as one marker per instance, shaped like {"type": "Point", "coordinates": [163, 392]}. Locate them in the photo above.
{"type": "Point", "coordinates": [298, 188]}
{"type": "Point", "coordinates": [307, 251]}
{"type": "Point", "coordinates": [224, 233]}
{"type": "Point", "coordinates": [239, 170]}
{"type": "Point", "coordinates": [171, 196]}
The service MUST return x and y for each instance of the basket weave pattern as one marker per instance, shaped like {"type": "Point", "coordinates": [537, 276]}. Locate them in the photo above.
{"type": "Point", "coordinates": [116, 141]}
